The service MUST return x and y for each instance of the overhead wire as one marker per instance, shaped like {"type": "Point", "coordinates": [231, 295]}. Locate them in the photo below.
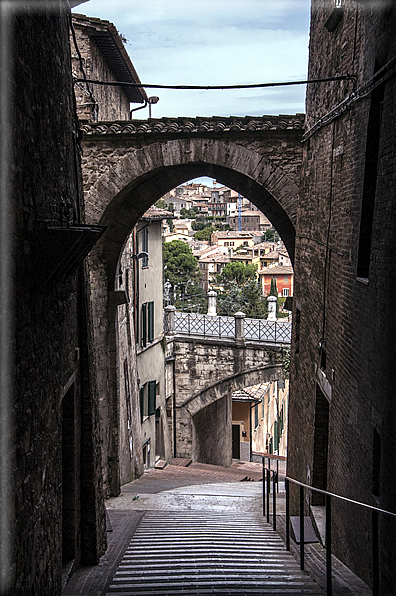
{"type": "Point", "coordinates": [216, 87]}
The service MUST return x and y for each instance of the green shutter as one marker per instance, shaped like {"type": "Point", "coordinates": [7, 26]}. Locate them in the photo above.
{"type": "Point", "coordinates": [152, 388]}
{"type": "Point", "coordinates": [151, 321]}
{"type": "Point", "coordinates": [141, 394]}
{"type": "Point", "coordinates": [276, 437]}
{"type": "Point", "coordinates": [144, 324]}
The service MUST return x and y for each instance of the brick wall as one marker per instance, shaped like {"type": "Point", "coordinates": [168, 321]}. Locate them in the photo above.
{"type": "Point", "coordinates": [54, 412]}
{"type": "Point", "coordinates": [352, 319]}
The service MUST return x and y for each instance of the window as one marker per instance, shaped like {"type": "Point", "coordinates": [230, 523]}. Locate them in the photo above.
{"type": "Point", "coordinates": [256, 421]}
{"type": "Point", "coordinates": [285, 292]}
{"type": "Point", "coordinates": [152, 393]}
{"type": "Point", "coordinates": [145, 246]}
{"type": "Point", "coordinates": [370, 180]}
{"type": "Point", "coordinates": [147, 323]}
{"type": "Point", "coordinates": [286, 278]}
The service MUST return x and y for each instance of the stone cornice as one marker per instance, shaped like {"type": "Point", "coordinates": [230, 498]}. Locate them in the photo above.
{"type": "Point", "coordinates": [177, 126]}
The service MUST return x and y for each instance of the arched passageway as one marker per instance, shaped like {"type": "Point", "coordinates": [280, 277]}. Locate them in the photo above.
{"type": "Point", "coordinates": [122, 181]}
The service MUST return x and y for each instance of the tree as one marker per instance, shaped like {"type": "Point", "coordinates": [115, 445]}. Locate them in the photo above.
{"type": "Point", "coordinates": [254, 305]}
{"type": "Point", "coordinates": [161, 204]}
{"type": "Point", "coordinates": [180, 267]}
{"type": "Point", "coordinates": [187, 213]}
{"type": "Point", "coordinates": [230, 301]}
{"type": "Point", "coordinates": [204, 234]}
{"type": "Point", "coordinates": [237, 272]}
{"type": "Point", "coordinates": [246, 298]}
{"type": "Point", "coordinates": [273, 289]}
{"type": "Point", "coordinates": [271, 235]}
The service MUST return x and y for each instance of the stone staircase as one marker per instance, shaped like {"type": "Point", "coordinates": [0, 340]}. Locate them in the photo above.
{"type": "Point", "coordinates": [201, 553]}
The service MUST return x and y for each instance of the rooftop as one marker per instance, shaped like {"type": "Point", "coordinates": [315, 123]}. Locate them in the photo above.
{"type": "Point", "coordinates": [156, 214]}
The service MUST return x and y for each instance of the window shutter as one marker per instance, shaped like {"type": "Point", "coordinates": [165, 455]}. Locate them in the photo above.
{"type": "Point", "coordinates": [144, 324]}
{"type": "Point", "coordinates": [256, 416]}
{"type": "Point", "coordinates": [276, 437]}
{"type": "Point", "coordinates": [141, 394]}
{"type": "Point", "coordinates": [152, 397]}
{"type": "Point", "coordinates": [151, 321]}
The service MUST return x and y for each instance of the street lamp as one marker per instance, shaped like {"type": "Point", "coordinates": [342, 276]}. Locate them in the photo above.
{"type": "Point", "coordinates": [151, 100]}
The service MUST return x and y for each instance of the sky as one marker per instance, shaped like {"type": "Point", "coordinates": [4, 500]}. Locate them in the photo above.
{"type": "Point", "coordinates": [214, 42]}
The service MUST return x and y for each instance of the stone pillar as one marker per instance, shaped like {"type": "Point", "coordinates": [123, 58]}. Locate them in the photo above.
{"type": "Point", "coordinates": [169, 326]}
{"type": "Point", "coordinates": [212, 303]}
{"type": "Point", "coordinates": [272, 300]}
{"type": "Point", "coordinates": [239, 325]}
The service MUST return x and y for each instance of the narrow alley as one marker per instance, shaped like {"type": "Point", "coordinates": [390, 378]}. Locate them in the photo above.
{"type": "Point", "coordinates": [198, 529]}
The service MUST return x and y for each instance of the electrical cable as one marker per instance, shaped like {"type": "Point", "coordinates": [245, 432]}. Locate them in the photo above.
{"type": "Point", "coordinates": [218, 87]}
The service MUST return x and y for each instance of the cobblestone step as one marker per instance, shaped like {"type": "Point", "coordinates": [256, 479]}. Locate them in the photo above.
{"type": "Point", "coordinates": [189, 553]}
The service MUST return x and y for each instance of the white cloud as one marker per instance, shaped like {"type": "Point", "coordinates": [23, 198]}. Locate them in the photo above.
{"type": "Point", "coordinates": [214, 42]}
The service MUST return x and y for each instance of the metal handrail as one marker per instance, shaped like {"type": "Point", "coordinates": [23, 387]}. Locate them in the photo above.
{"type": "Point", "coordinates": [266, 493]}
{"type": "Point", "coordinates": [328, 497]}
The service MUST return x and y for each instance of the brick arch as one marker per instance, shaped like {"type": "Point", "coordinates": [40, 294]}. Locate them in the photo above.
{"type": "Point", "coordinates": [128, 187]}
{"type": "Point", "coordinates": [231, 383]}
{"type": "Point", "coordinates": [211, 413]}
{"type": "Point", "coordinates": [122, 180]}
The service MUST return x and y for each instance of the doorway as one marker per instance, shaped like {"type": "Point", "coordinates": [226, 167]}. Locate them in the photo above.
{"type": "Point", "coordinates": [321, 443]}
{"type": "Point", "coordinates": [236, 441]}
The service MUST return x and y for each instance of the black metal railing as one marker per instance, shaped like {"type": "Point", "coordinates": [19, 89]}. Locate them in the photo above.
{"type": "Point", "coordinates": [376, 511]}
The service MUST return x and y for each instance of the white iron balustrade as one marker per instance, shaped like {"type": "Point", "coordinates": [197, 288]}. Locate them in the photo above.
{"type": "Point", "coordinates": [258, 330]}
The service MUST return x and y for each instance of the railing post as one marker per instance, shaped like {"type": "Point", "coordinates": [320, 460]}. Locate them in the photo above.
{"type": "Point", "coordinates": [239, 325]}
{"type": "Point", "coordinates": [328, 547]}
{"type": "Point", "coordinates": [212, 303]}
{"type": "Point", "coordinates": [263, 485]}
{"type": "Point", "coordinates": [273, 501]}
{"type": "Point", "coordinates": [272, 300]}
{"type": "Point", "coordinates": [287, 515]}
{"type": "Point", "coordinates": [169, 319]}
{"type": "Point", "coordinates": [375, 537]}
{"type": "Point", "coordinates": [268, 493]}
{"type": "Point", "coordinates": [302, 537]}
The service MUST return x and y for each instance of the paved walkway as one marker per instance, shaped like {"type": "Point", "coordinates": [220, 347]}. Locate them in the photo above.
{"type": "Point", "coordinates": [199, 530]}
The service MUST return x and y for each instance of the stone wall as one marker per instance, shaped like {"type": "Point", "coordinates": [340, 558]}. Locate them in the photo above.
{"type": "Point", "coordinates": [100, 102]}
{"type": "Point", "coordinates": [206, 373]}
{"type": "Point", "coordinates": [343, 348]}
{"type": "Point", "coordinates": [58, 506]}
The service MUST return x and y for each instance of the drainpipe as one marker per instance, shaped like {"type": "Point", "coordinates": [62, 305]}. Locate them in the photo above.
{"type": "Point", "coordinates": [136, 109]}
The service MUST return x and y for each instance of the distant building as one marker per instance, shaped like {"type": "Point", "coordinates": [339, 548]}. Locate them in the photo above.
{"type": "Point", "coordinates": [234, 240]}
{"type": "Point", "coordinates": [211, 263]}
{"type": "Point", "coordinates": [141, 277]}
{"type": "Point", "coordinates": [251, 220]}
{"type": "Point", "coordinates": [284, 280]}
{"type": "Point", "coordinates": [259, 420]}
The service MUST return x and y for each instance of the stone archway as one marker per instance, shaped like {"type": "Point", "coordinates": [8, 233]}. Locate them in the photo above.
{"type": "Point", "coordinates": [121, 182]}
